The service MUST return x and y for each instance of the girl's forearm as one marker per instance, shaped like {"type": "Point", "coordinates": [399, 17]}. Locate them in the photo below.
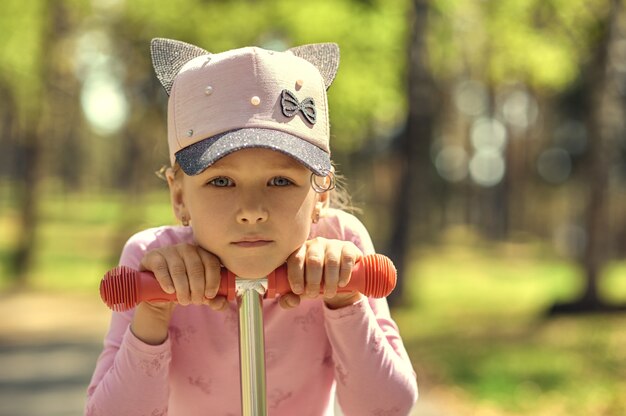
{"type": "Point", "coordinates": [372, 369]}
{"type": "Point", "coordinates": [150, 323]}
{"type": "Point", "coordinates": [131, 377]}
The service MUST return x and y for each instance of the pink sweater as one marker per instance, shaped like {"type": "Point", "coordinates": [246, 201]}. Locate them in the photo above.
{"type": "Point", "coordinates": [312, 352]}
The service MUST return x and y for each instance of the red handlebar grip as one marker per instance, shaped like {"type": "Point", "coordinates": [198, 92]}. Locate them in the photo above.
{"type": "Point", "coordinates": [373, 275]}
{"type": "Point", "coordinates": [123, 288]}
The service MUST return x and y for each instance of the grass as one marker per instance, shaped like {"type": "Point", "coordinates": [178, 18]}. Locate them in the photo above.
{"type": "Point", "coordinates": [475, 326]}
{"type": "Point", "coordinates": [81, 236]}
{"type": "Point", "coordinates": [478, 334]}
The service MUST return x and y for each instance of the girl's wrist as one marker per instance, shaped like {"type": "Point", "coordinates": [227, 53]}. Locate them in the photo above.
{"type": "Point", "coordinates": [343, 300]}
{"type": "Point", "coordinates": [150, 324]}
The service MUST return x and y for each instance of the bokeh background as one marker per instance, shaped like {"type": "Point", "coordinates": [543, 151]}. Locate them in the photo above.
{"type": "Point", "coordinates": [483, 143]}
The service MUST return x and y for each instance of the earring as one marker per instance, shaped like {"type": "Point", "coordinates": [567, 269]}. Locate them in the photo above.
{"type": "Point", "coordinates": [185, 221]}
{"type": "Point", "coordinates": [328, 184]}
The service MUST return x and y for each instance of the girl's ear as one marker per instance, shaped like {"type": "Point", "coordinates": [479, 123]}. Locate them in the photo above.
{"type": "Point", "coordinates": [176, 195]}
{"type": "Point", "coordinates": [323, 202]}
{"type": "Point", "coordinates": [324, 199]}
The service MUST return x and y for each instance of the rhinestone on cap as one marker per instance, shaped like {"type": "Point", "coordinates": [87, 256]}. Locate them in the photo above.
{"type": "Point", "coordinates": [299, 84]}
{"type": "Point", "coordinates": [208, 90]}
{"type": "Point", "coordinates": [189, 133]}
{"type": "Point", "coordinates": [255, 100]}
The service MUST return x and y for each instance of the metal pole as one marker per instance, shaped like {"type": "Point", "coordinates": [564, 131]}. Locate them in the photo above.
{"type": "Point", "coordinates": [252, 346]}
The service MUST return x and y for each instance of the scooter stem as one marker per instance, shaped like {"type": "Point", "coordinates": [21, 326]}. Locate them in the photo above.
{"type": "Point", "coordinates": [250, 295]}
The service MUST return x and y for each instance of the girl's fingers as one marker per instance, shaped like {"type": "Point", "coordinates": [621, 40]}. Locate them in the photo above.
{"type": "Point", "coordinates": [295, 270]}
{"type": "Point", "coordinates": [321, 260]}
{"type": "Point", "coordinates": [191, 272]}
{"type": "Point", "coordinates": [212, 273]}
{"type": "Point", "coordinates": [194, 267]}
{"type": "Point", "coordinates": [178, 273]}
{"type": "Point", "coordinates": [349, 256]}
{"type": "Point", "coordinates": [155, 262]}
{"type": "Point", "coordinates": [331, 270]}
{"type": "Point", "coordinates": [314, 268]}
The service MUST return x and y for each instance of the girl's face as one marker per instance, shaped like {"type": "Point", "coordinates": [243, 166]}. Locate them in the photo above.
{"type": "Point", "coordinates": [252, 209]}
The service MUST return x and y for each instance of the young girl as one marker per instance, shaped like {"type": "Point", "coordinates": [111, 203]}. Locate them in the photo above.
{"type": "Point", "coordinates": [250, 181]}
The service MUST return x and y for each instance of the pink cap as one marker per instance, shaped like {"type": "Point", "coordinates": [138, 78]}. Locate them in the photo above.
{"type": "Point", "coordinates": [248, 97]}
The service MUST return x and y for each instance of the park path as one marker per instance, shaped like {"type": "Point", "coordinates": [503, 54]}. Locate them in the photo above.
{"type": "Point", "coordinates": [48, 348]}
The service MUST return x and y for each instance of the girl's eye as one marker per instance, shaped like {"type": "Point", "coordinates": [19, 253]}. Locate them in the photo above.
{"type": "Point", "coordinates": [221, 182]}
{"type": "Point", "coordinates": [280, 181]}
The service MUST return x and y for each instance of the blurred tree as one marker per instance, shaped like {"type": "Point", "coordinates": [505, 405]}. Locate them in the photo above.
{"type": "Point", "coordinates": [412, 195]}
{"type": "Point", "coordinates": [22, 85]}
{"type": "Point", "coordinates": [41, 108]}
{"type": "Point", "coordinates": [606, 111]}
{"type": "Point", "coordinates": [493, 61]}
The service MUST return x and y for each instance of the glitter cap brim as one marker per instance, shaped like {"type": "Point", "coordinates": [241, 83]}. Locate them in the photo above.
{"type": "Point", "coordinates": [197, 157]}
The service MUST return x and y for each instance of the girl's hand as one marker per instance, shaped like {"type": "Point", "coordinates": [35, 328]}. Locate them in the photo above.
{"type": "Point", "coordinates": [191, 272]}
{"type": "Point", "coordinates": [317, 259]}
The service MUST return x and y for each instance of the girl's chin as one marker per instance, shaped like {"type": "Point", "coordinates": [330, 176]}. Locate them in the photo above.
{"type": "Point", "coordinates": [256, 271]}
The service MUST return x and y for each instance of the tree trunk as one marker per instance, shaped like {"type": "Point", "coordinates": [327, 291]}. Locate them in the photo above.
{"type": "Point", "coordinates": [606, 126]}
{"type": "Point", "coordinates": [27, 202]}
{"type": "Point", "coordinates": [39, 126]}
{"type": "Point", "coordinates": [411, 201]}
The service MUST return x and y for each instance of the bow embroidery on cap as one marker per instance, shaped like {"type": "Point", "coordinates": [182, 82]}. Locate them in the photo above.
{"type": "Point", "coordinates": [290, 106]}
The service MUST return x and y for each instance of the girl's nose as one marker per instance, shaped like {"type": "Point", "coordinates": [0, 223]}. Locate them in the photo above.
{"type": "Point", "coordinates": [251, 213]}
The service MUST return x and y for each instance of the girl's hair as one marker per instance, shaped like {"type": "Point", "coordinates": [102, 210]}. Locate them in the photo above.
{"type": "Point", "coordinates": [339, 197]}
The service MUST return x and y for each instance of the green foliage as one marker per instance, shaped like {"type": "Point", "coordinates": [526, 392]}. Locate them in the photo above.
{"type": "Point", "coordinates": [367, 97]}
{"type": "Point", "coordinates": [541, 43]}
{"type": "Point", "coordinates": [28, 29]}
{"type": "Point", "coordinates": [22, 24]}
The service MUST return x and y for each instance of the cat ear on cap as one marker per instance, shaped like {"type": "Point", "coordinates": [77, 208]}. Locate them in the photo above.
{"type": "Point", "coordinates": [169, 56]}
{"type": "Point", "coordinates": [324, 56]}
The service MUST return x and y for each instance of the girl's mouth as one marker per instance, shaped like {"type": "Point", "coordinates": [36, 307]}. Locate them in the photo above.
{"type": "Point", "coordinates": [252, 243]}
